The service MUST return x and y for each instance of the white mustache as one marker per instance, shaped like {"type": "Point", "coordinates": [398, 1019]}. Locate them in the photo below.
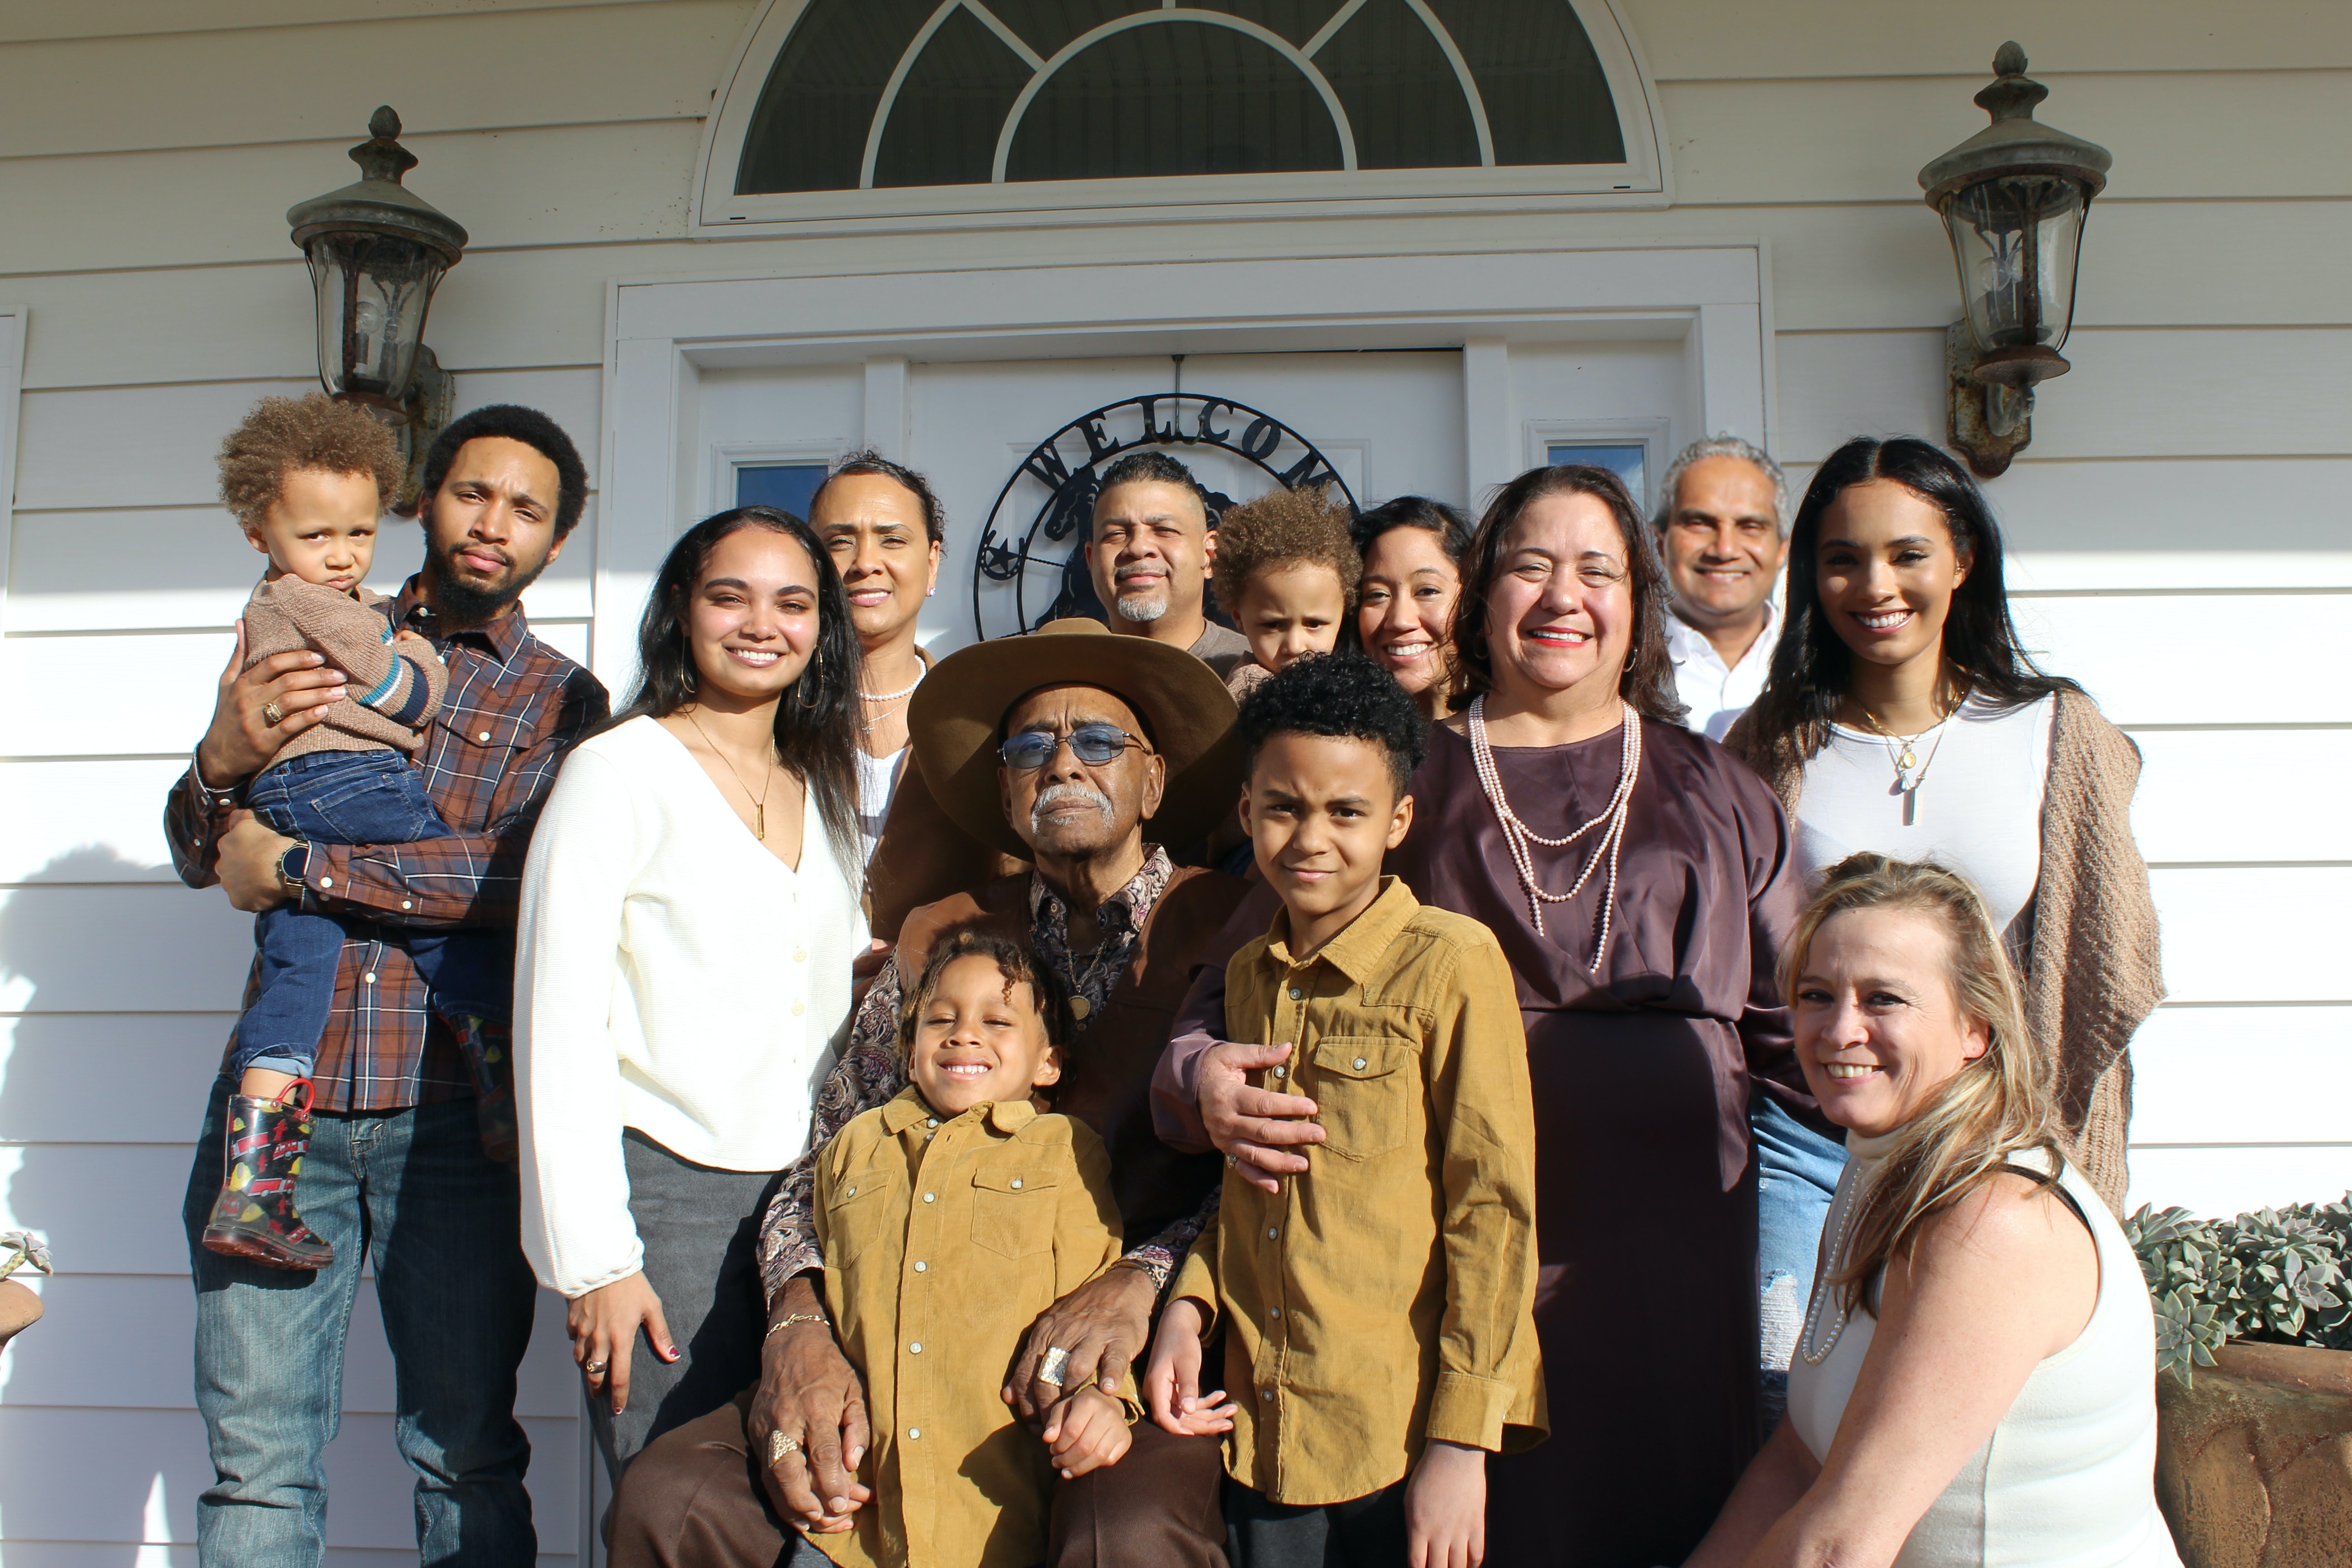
{"type": "Point", "coordinates": [1054, 794]}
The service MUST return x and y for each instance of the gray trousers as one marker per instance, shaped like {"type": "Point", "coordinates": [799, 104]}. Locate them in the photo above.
{"type": "Point", "coordinates": [699, 1227]}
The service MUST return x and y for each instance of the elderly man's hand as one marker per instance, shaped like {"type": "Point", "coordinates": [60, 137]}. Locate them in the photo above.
{"type": "Point", "coordinates": [1258, 1127]}
{"type": "Point", "coordinates": [810, 1393]}
{"type": "Point", "coordinates": [1104, 1325]}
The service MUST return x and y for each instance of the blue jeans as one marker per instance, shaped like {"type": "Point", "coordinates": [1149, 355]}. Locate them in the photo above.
{"type": "Point", "coordinates": [1796, 1176]}
{"type": "Point", "coordinates": [352, 797]}
{"type": "Point", "coordinates": [412, 1190]}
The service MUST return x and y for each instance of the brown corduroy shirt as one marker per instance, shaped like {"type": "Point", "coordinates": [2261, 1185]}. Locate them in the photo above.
{"type": "Point", "coordinates": [1386, 1298]}
{"type": "Point", "coordinates": [944, 1237]}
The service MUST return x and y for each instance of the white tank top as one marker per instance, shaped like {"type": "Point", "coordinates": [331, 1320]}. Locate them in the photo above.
{"type": "Point", "coordinates": [2068, 1478]}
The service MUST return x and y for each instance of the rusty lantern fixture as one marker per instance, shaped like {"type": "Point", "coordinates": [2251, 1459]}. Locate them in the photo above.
{"type": "Point", "coordinates": [2013, 197]}
{"type": "Point", "coordinates": [377, 251]}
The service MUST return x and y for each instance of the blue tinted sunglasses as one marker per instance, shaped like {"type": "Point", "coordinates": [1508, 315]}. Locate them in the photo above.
{"type": "Point", "coordinates": [1093, 744]}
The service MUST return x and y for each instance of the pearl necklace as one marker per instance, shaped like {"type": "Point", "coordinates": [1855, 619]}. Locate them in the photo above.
{"type": "Point", "coordinates": [1518, 835]}
{"type": "Point", "coordinates": [1840, 1227]}
{"type": "Point", "coordinates": [885, 700]}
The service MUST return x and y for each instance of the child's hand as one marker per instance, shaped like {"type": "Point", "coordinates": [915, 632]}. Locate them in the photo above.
{"type": "Point", "coordinates": [1446, 1509]}
{"type": "Point", "coordinates": [1085, 1432]}
{"type": "Point", "coordinates": [1172, 1384]}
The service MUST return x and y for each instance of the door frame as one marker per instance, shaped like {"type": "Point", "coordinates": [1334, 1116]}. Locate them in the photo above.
{"type": "Point", "coordinates": [662, 333]}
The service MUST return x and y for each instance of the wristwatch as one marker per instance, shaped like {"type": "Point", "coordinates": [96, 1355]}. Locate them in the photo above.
{"type": "Point", "coordinates": [291, 867]}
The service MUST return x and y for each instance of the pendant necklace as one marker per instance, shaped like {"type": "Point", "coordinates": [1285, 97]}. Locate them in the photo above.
{"type": "Point", "coordinates": [1910, 771]}
{"type": "Point", "coordinates": [1518, 835]}
{"type": "Point", "coordinates": [1079, 1007]}
{"type": "Point", "coordinates": [759, 805]}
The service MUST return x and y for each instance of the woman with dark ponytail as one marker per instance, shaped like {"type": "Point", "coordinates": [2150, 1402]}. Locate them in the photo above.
{"type": "Point", "coordinates": [1902, 716]}
{"type": "Point", "coordinates": [690, 909]}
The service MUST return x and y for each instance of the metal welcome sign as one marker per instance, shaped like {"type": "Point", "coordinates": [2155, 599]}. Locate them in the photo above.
{"type": "Point", "coordinates": [1048, 559]}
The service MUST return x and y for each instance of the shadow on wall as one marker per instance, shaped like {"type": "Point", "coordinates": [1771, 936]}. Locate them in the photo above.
{"type": "Point", "coordinates": [103, 1070]}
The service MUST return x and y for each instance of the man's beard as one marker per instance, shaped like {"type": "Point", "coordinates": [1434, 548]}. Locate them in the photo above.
{"type": "Point", "coordinates": [1142, 608]}
{"type": "Point", "coordinates": [1053, 794]}
{"type": "Point", "coordinates": [458, 603]}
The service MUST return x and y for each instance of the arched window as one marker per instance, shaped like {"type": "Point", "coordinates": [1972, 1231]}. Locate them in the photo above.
{"type": "Point", "coordinates": [981, 106]}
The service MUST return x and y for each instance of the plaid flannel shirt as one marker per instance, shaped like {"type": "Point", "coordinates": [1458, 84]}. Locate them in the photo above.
{"type": "Point", "coordinates": [514, 706]}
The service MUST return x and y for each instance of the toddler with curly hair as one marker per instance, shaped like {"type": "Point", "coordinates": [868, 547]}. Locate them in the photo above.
{"type": "Point", "coordinates": [1284, 574]}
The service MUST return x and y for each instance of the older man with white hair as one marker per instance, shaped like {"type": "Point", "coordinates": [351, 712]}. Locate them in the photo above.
{"type": "Point", "coordinates": [1722, 529]}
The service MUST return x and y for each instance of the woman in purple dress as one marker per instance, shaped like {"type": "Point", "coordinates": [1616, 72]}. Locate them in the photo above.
{"type": "Point", "coordinates": [1641, 881]}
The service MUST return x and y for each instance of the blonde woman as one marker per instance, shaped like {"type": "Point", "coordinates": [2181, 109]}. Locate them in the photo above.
{"type": "Point", "coordinates": [1974, 1383]}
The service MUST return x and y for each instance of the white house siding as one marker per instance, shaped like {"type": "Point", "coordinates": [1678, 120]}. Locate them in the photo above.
{"type": "Point", "coordinates": [2179, 522]}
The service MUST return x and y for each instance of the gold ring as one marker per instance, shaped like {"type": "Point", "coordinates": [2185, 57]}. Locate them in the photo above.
{"type": "Point", "coordinates": [594, 1368]}
{"type": "Point", "coordinates": [780, 1446]}
{"type": "Point", "coordinates": [272, 714]}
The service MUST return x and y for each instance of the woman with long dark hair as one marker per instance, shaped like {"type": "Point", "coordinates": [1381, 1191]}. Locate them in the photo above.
{"type": "Point", "coordinates": [1412, 550]}
{"type": "Point", "coordinates": [689, 916]}
{"type": "Point", "coordinates": [1902, 716]}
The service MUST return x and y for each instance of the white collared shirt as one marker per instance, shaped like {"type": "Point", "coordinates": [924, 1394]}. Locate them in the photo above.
{"type": "Point", "coordinates": [1716, 696]}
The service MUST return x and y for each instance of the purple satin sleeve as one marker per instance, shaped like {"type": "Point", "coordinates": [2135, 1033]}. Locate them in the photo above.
{"type": "Point", "coordinates": [1200, 1023]}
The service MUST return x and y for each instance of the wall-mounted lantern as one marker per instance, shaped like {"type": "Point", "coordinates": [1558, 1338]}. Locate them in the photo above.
{"type": "Point", "coordinates": [377, 251]}
{"type": "Point", "coordinates": [2013, 197]}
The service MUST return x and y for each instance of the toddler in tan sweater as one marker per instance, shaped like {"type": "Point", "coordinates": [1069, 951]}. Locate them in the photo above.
{"type": "Point", "coordinates": [308, 480]}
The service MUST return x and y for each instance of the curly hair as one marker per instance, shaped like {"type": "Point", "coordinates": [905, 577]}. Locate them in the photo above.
{"type": "Point", "coordinates": [1284, 528]}
{"type": "Point", "coordinates": [1340, 694]}
{"type": "Point", "coordinates": [280, 435]}
{"type": "Point", "coordinates": [1015, 962]}
{"type": "Point", "coordinates": [511, 422]}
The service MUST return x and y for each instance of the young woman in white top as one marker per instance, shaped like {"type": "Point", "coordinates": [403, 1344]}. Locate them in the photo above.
{"type": "Point", "coordinates": [1412, 550]}
{"type": "Point", "coordinates": [1975, 1379]}
{"type": "Point", "coordinates": [689, 918]}
{"type": "Point", "coordinates": [884, 528]}
{"type": "Point", "coordinates": [1901, 716]}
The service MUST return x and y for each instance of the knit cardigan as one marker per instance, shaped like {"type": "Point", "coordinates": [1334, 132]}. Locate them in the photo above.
{"type": "Point", "coordinates": [2092, 965]}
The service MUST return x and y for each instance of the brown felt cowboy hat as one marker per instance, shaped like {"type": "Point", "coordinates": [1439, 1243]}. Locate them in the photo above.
{"type": "Point", "coordinates": [958, 713]}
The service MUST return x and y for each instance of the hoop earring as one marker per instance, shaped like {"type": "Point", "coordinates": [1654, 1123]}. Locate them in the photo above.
{"type": "Point", "coordinates": [810, 679]}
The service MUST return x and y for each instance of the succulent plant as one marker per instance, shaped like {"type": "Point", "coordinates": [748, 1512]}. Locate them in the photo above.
{"type": "Point", "coordinates": [2276, 1275]}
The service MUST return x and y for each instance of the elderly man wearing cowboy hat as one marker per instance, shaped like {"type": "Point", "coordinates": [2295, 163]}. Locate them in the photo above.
{"type": "Point", "coordinates": [1064, 749]}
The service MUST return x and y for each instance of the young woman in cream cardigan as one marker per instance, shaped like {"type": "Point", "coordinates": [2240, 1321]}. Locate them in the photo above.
{"type": "Point", "coordinates": [689, 915]}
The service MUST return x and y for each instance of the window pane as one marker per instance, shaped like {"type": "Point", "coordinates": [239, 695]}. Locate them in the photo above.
{"type": "Point", "coordinates": [1404, 102]}
{"type": "Point", "coordinates": [808, 130]}
{"type": "Point", "coordinates": [787, 487]}
{"type": "Point", "coordinates": [943, 126]}
{"type": "Point", "coordinates": [1171, 98]}
{"type": "Point", "coordinates": [1174, 98]}
{"type": "Point", "coordinates": [1625, 462]}
{"type": "Point", "coordinates": [1547, 99]}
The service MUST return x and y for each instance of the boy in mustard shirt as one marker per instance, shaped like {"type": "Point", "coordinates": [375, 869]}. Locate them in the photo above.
{"type": "Point", "coordinates": [950, 1217]}
{"type": "Point", "coordinates": [1377, 1311]}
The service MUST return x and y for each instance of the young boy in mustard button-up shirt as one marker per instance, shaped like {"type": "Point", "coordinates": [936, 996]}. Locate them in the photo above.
{"type": "Point", "coordinates": [1378, 1311]}
{"type": "Point", "coordinates": [950, 1217]}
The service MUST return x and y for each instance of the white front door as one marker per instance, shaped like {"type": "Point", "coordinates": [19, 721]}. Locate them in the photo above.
{"type": "Point", "coordinates": [1013, 446]}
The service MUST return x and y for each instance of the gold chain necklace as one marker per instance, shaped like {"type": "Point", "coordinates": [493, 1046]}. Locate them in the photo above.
{"type": "Point", "coordinates": [759, 805]}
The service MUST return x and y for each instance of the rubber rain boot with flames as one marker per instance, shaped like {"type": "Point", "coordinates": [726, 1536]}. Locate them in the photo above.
{"type": "Point", "coordinates": [254, 1216]}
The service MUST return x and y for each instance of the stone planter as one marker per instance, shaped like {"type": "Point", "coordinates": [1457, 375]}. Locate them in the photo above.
{"type": "Point", "coordinates": [2253, 1465]}
{"type": "Point", "coordinates": [18, 1309]}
